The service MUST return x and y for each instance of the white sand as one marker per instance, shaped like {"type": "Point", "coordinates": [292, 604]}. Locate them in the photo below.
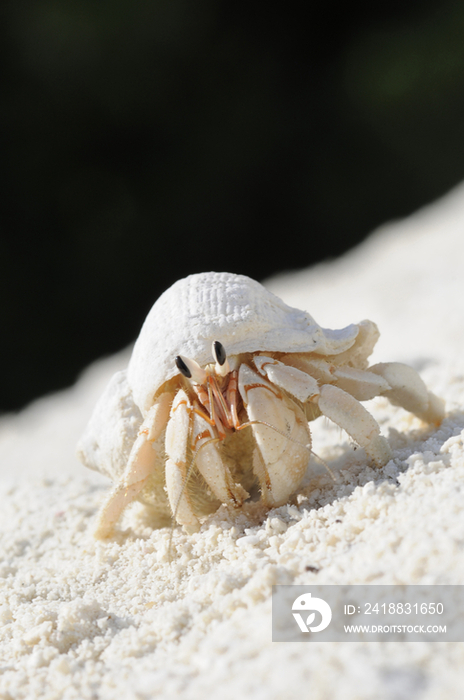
{"type": "Point", "coordinates": [82, 619]}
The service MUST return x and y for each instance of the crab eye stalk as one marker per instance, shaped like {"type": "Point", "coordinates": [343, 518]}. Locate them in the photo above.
{"type": "Point", "coordinates": [222, 366]}
{"type": "Point", "coordinates": [190, 369]}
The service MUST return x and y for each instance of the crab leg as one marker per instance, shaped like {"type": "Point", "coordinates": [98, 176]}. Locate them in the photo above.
{"type": "Point", "coordinates": [409, 391]}
{"type": "Point", "coordinates": [296, 382]}
{"type": "Point", "coordinates": [361, 384]}
{"type": "Point", "coordinates": [177, 434]}
{"type": "Point", "coordinates": [142, 461]}
{"type": "Point", "coordinates": [301, 385]}
{"type": "Point", "coordinates": [335, 403]}
{"type": "Point", "coordinates": [350, 415]}
{"type": "Point", "coordinates": [282, 436]}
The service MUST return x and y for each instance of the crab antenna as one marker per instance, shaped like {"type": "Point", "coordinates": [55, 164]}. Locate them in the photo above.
{"type": "Point", "coordinates": [190, 369]}
{"type": "Point", "coordinates": [222, 364]}
{"type": "Point", "coordinates": [324, 463]}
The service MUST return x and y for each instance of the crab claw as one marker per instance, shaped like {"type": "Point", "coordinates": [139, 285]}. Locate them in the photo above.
{"type": "Point", "coordinates": [281, 433]}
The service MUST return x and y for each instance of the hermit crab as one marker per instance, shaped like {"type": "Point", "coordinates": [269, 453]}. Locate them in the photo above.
{"type": "Point", "coordinates": [215, 403]}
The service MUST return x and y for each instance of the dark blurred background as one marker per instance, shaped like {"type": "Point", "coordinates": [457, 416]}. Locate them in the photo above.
{"type": "Point", "coordinates": [144, 140]}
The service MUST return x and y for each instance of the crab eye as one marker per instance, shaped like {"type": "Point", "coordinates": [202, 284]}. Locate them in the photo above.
{"type": "Point", "coordinates": [219, 352]}
{"type": "Point", "coordinates": [190, 369]}
{"type": "Point", "coordinates": [182, 367]}
{"type": "Point", "coordinates": [222, 365]}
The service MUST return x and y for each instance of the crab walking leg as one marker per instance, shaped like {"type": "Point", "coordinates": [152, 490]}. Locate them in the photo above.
{"type": "Point", "coordinates": [295, 381]}
{"type": "Point", "coordinates": [177, 435]}
{"type": "Point", "coordinates": [211, 466]}
{"type": "Point", "coordinates": [284, 443]}
{"type": "Point", "coordinates": [142, 461]}
{"type": "Point", "coordinates": [409, 391]}
{"type": "Point", "coordinates": [301, 385]}
{"type": "Point", "coordinates": [350, 415]}
{"type": "Point", "coordinates": [361, 384]}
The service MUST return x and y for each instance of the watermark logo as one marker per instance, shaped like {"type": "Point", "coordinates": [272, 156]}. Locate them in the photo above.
{"type": "Point", "coordinates": [306, 602]}
{"type": "Point", "coordinates": [368, 613]}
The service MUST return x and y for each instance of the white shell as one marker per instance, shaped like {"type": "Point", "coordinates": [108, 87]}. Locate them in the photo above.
{"type": "Point", "coordinates": [112, 429]}
{"type": "Point", "coordinates": [233, 309]}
